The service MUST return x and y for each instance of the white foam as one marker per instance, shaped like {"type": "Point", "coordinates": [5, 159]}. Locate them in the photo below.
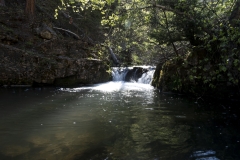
{"type": "Point", "coordinates": [114, 86]}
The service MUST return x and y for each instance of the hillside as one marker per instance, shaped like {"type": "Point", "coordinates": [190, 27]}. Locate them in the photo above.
{"type": "Point", "coordinates": [47, 50]}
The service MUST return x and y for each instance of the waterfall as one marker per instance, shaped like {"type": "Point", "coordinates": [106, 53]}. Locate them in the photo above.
{"type": "Point", "coordinates": [147, 77]}
{"type": "Point", "coordinates": [138, 74]}
{"type": "Point", "coordinates": [119, 73]}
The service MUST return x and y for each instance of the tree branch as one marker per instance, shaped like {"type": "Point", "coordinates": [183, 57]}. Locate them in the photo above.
{"type": "Point", "coordinates": [42, 10]}
{"type": "Point", "coordinates": [165, 8]}
{"type": "Point", "coordinates": [74, 34]}
{"type": "Point", "coordinates": [75, 25]}
{"type": "Point", "coordinates": [169, 34]}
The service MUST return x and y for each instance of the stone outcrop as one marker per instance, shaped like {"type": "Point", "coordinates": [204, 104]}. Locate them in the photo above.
{"type": "Point", "coordinates": [168, 76]}
{"type": "Point", "coordinates": [56, 67]}
{"type": "Point", "coordinates": [42, 50]}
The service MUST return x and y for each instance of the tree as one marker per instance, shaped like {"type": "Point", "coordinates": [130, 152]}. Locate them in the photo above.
{"type": "Point", "coordinates": [235, 14]}
{"type": "Point", "coordinates": [212, 30]}
{"type": "Point", "coordinates": [173, 30]}
{"type": "Point", "coordinates": [30, 7]}
{"type": "Point", "coordinates": [129, 24]}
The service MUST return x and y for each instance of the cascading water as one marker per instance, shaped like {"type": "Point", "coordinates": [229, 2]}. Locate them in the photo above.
{"type": "Point", "coordinates": [125, 79]}
{"type": "Point", "coordinates": [119, 73]}
{"type": "Point", "coordinates": [140, 74]}
{"type": "Point", "coordinates": [147, 77]}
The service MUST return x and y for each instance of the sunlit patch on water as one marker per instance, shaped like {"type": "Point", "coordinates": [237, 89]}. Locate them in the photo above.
{"type": "Point", "coordinates": [114, 86]}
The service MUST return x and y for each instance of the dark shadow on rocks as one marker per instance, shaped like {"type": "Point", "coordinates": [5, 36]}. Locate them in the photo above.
{"type": "Point", "coordinates": [93, 154]}
{"type": "Point", "coordinates": [135, 74]}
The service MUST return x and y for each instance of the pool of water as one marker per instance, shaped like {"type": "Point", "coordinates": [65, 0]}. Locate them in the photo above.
{"type": "Point", "coordinates": [114, 121]}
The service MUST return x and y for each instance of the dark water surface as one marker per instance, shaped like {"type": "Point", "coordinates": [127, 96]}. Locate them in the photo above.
{"type": "Point", "coordinates": [114, 121]}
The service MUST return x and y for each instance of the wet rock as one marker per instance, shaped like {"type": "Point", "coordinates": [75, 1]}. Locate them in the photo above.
{"type": "Point", "coordinates": [156, 76]}
{"type": "Point", "coordinates": [45, 31]}
{"type": "Point", "coordinates": [134, 74]}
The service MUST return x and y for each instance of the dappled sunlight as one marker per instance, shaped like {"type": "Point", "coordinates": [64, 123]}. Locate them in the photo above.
{"type": "Point", "coordinates": [58, 128]}
{"type": "Point", "coordinates": [119, 80]}
{"type": "Point", "coordinates": [129, 120]}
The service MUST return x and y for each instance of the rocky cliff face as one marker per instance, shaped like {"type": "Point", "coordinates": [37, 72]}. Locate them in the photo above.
{"type": "Point", "coordinates": [32, 52]}
{"type": "Point", "coordinates": [18, 67]}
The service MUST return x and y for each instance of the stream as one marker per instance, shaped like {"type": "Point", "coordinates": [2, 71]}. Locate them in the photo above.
{"type": "Point", "coordinates": [116, 120]}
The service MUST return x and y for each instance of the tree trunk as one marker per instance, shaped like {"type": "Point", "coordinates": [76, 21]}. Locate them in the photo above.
{"type": "Point", "coordinates": [30, 7]}
{"type": "Point", "coordinates": [235, 15]}
{"type": "Point", "coordinates": [2, 2]}
{"type": "Point", "coordinates": [169, 34]}
{"type": "Point", "coordinates": [114, 57]}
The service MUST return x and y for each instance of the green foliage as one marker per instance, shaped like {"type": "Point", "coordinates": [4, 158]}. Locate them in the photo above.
{"type": "Point", "coordinates": [159, 32]}
{"type": "Point", "coordinates": [136, 59]}
{"type": "Point", "coordinates": [206, 25]}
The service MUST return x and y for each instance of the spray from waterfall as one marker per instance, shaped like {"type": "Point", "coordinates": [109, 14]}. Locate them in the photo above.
{"type": "Point", "coordinates": [139, 74]}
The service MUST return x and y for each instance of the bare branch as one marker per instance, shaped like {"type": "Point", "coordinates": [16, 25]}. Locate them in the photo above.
{"type": "Point", "coordinates": [74, 34]}
{"type": "Point", "coordinates": [75, 25]}
{"type": "Point", "coordinates": [165, 8]}
{"type": "Point", "coordinates": [169, 34]}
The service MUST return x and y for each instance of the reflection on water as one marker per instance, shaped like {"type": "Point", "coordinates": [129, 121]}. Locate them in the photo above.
{"type": "Point", "coordinates": [112, 121]}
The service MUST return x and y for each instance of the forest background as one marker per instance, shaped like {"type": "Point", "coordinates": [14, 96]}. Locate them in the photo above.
{"type": "Point", "coordinates": [193, 43]}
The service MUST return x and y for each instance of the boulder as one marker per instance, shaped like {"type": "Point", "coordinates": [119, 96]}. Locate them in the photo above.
{"type": "Point", "coordinates": [46, 34]}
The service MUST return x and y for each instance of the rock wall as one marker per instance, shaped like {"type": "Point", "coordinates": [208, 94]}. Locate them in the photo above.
{"type": "Point", "coordinates": [18, 67]}
{"type": "Point", "coordinates": [42, 50]}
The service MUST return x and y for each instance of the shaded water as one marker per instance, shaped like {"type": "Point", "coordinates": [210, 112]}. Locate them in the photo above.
{"type": "Point", "coordinates": [113, 121]}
